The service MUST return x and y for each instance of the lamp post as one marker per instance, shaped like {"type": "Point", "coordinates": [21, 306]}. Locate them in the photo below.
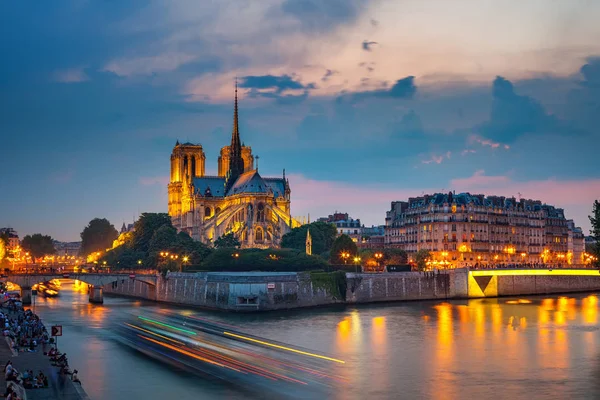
{"type": "Point", "coordinates": [378, 257]}
{"type": "Point", "coordinates": [345, 256]}
{"type": "Point", "coordinates": [356, 261]}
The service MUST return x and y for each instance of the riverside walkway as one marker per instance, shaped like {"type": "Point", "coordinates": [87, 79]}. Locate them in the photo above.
{"type": "Point", "coordinates": [59, 387]}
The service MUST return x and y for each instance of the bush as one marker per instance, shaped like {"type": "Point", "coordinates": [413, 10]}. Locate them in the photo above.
{"type": "Point", "coordinates": [275, 260]}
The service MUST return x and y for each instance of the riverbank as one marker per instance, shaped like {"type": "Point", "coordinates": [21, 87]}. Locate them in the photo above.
{"type": "Point", "coordinates": [60, 386]}
{"type": "Point", "coordinates": [267, 291]}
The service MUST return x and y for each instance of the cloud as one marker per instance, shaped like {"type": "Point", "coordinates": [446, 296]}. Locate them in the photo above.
{"type": "Point", "coordinates": [72, 75]}
{"type": "Point", "coordinates": [478, 180]}
{"type": "Point", "coordinates": [366, 45]}
{"type": "Point", "coordinates": [486, 142]}
{"type": "Point", "coordinates": [165, 62]}
{"type": "Point", "coordinates": [284, 88]}
{"type": "Point", "coordinates": [154, 180]}
{"type": "Point", "coordinates": [278, 83]}
{"type": "Point", "coordinates": [467, 151]}
{"type": "Point", "coordinates": [435, 159]}
{"type": "Point", "coordinates": [403, 89]}
{"type": "Point", "coordinates": [328, 74]}
{"type": "Point", "coordinates": [323, 15]}
{"type": "Point", "coordinates": [583, 102]}
{"type": "Point", "coordinates": [514, 115]}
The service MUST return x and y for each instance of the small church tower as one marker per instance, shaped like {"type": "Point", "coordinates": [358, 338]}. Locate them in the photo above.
{"type": "Point", "coordinates": [308, 243]}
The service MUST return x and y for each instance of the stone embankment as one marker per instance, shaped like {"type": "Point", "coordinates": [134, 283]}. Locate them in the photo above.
{"type": "Point", "coordinates": [258, 291]}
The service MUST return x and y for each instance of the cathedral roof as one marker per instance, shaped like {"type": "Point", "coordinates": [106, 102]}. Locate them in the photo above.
{"type": "Point", "coordinates": [249, 182]}
{"type": "Point", "coordinates": [216, 184]}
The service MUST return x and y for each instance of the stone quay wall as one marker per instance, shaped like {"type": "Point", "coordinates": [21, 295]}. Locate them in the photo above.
{"type": "Point", "coordinates": [229, 291]}
{"type": "Point", "coordinates": [261, 291]}
{"type": "Point", "coordinates": [520, 285]}
{"type": "Point", "coordinates": [368, 288]}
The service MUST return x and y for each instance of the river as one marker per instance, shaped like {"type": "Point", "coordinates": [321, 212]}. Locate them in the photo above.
{"type": "Point", "coordinates": [508, 348]}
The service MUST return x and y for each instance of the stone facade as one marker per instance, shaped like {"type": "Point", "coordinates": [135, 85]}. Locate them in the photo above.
{"type": "Point", "coordinates": [463, 229]}
{"type": "Point", "coordinates": [239, 200]}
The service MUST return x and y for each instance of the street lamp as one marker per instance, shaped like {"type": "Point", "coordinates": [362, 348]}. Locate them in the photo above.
{"type": "Point", "coordinates": [345, 256]}
{"type": "Point", "coordinates": [356, 261]}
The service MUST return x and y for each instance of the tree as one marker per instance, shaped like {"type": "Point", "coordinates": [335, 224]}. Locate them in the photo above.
{"type": "Point", "coordinates": [145, 226]}
{"type": "Point", "coordinates": [38, 245]}
{"type": "Point", "coordinates": [227, 241]}
{"type": "Point", "coordinates": [343, 244]}
{"type": "Point", "coordinates": [421, 258]}
{"type": "Point", "coordinates": [323, 235]}
{"type": "Point", "coordinates": [98, 235]}
{"type": "Point", "coordinates": [595, 231]}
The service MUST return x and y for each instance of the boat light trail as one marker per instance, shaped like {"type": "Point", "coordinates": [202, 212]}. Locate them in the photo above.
{"type": "Point", "coordinates": [166, 325]}
{"type": "Point", "coordinates": [284, 348]}
{"type": "Point", "coordinates": [155, 334]}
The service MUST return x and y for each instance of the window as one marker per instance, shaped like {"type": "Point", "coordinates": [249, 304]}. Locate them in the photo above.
{"type": "Point", "coordinates": [207, 212]}
{"type": "Point", "coordinates": [260, 213]}
{"type": "Point", "coordinates": [259, 237]}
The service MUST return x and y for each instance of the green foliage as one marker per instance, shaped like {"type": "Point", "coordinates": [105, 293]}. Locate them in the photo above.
{"type": "Point", "coordinates": [282, 260]}
{"type": "Point", "coordinates": [595, 231]}
{"type": "Point", "coordinates": [323, 235]}
{"type": "Point", "coordinates": [156, 234]}
{"type": "Point", "coordinates": [98, 235]}
{"type": "Point", "coordinates": [146, 226]}
{"type": "Point", "coordinates": [343, 244]}
{"type": "Point", "coordinates": [333, 282]}
{"type": "Point", "coordinates": [38, 245]}
{"type": "Point", "coordinates": [394, 257]}
{"type": "Point", "coordinates": [227, 241]}
{"type": "Point", "coordinates": [124, 257]}
{"type": "Point", "coordinates": [421, 258]}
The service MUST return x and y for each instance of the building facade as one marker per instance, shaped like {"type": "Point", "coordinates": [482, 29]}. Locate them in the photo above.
{"type": "Point", "coordinates": [67, 249]}
{"type": "Point", "coordinates": [464, 229]}
{"type": "Point", "coordinates": [239, 200]}
{"type": "Point", "coordinates": [344, 225]}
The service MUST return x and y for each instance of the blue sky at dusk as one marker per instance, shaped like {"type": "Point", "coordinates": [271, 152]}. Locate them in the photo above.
{"type": "Point", "coordinates": [362, 102]}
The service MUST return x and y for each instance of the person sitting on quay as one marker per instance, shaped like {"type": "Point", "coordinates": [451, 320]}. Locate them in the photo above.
{"type": "Point", "coordinates": [74, 377]}
{"type": "Point", "coordinates": [41, 380]}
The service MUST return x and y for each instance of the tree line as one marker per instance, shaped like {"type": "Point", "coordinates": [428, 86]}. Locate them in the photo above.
{"type": "Point", "coordinates": [155, 243]}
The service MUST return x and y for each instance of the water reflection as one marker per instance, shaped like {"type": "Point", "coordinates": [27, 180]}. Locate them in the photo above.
{"type": "Point", "coordinates": [534, 347]}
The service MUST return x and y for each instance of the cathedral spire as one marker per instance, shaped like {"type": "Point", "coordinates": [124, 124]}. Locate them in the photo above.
{"type": "Point", "coordinates": [236, 162]}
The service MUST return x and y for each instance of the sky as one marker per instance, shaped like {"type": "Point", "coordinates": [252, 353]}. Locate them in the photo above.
{"type": "Point", "coordinates": [363, 102]}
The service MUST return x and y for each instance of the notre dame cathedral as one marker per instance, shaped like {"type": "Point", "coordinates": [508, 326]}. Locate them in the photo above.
{"type": "Point", "coordinates": [238, 200]}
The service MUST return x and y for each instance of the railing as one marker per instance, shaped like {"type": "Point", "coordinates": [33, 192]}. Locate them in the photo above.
{"type": "Point", "coordinates": [103, 271]}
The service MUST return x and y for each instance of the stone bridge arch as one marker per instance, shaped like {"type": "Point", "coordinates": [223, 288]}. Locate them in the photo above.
{"type": "Point", "coordinates": [95, 281]}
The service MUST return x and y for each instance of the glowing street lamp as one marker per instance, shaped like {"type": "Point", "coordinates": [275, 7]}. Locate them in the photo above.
{"type": "Point", "coordinates": [356, 261]}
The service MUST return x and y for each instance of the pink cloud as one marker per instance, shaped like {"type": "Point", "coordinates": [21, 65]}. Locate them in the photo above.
{"type": "Point", "coordinates": [437, 159]}
{"type": "Point", "coordinates": [154, 180]}
{"type": "Point", "coordinates": [486, 142]}
{"type": "Point", "coordinates": [468, 151]}
{"type": "Point", "coordinates": [478, 179]}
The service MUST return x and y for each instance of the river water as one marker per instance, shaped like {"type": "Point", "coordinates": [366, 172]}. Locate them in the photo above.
{"type": "Point", "coordinates": [509, 348]}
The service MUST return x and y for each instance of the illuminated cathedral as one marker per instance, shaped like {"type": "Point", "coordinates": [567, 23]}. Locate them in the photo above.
{"type": "Point", "coordinates": [240, 201]}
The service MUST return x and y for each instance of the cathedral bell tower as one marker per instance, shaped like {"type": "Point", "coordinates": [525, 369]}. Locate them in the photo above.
{"type": "Point", "coordinates": [187, 163]}
{"type": "Point", "coordinates": [236, 162]}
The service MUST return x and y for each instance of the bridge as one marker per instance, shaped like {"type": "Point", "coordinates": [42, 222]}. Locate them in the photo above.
{"type": "Point", "coordinates": [95, 280]}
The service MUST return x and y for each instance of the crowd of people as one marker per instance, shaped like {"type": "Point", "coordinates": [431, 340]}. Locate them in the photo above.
{"type": "Point", "coordinates": [27, 333]}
